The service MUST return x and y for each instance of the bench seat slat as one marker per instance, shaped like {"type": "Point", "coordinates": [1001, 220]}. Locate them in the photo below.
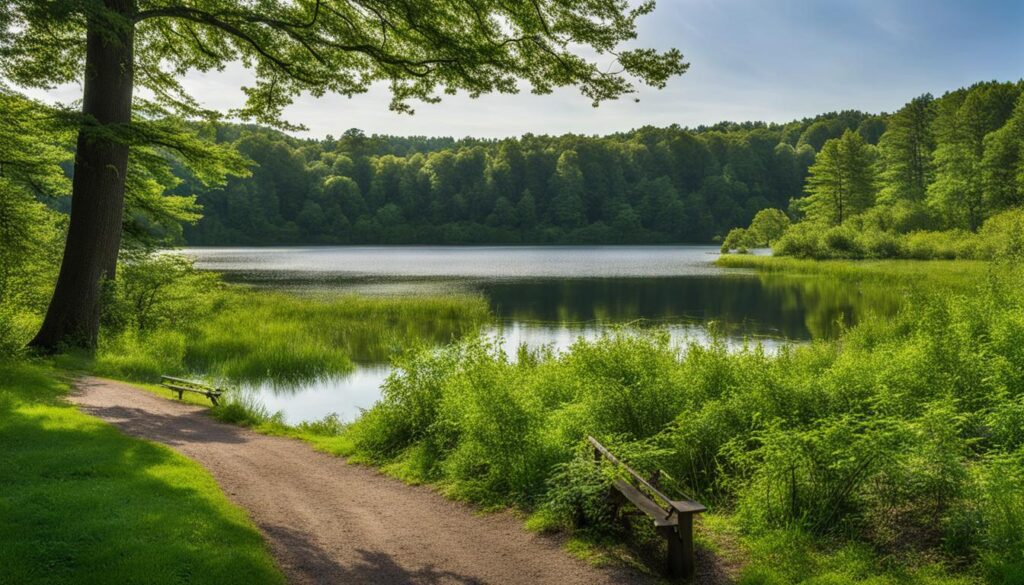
{"type": "Point", "coordinates": [196, 390]}
{"type": "Point", "coordinates": [638, 499]}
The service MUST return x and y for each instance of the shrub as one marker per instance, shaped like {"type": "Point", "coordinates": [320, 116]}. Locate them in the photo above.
{"type": "Point", "coordinates": [1001, 490]}
{"type": "Point", "coordinates": [738, 239]}
{"type": "Point", "coordinates": [882, 245]}
{"type": "Point", "coordinates": [898, 439]}
{"type": "Point", "coordinates": [802, 240]}
{"type": "Point", "coordinates": [812, 478]}
{"type": "Point", "coordinates": [842, 242]}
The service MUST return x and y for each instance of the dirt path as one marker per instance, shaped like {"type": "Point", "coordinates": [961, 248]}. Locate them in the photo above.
{"type": "Point", "coordinates": [330, 522]}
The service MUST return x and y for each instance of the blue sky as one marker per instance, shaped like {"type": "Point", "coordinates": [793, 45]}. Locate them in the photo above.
{"type": "Point", "coordinates": [772, 60]}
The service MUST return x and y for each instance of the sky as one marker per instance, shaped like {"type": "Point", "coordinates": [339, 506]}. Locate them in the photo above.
{"type": "Point", "coordinates": [771, 60]}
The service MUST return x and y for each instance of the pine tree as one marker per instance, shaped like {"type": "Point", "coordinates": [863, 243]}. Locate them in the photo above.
{"type": "Point", "coordinates": [1003, 163]}
{"type": "Point", "coordinates": [567, 208]}
{"type": "Point", "coordinates": [965, 118]}
{"type": "Point", "coordinates": [841, 183]}
{"type": "Point", "coordinates": [906, 151]}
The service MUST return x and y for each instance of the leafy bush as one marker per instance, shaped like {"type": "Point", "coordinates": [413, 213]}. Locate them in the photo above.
{"type": "Point", "coordinates": [802, 240]}
{"type": "Point", "coordinates": [881, 245]}
{"type": "Point", "coordinates": [897, 438]}
{"type": "Point", "coordinates": [738, 239]}
{"type": "Point", "coordinates": [843, 242]}
{"type": "Point", "coordinates": [1001, 490]}
{"type": "Point", "coordinates": [1001, 236]}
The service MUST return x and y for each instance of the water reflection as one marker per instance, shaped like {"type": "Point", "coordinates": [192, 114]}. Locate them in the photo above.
{"type": "Point", "coordinates": [345, 396]}
{"type": "Point", "coordinates": [544, 296]}
{"type": "Point", "coordinates": [796, 308]}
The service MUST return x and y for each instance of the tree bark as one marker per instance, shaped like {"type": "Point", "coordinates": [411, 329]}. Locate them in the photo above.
{"type": "Point", "coordinates": [97, 197]}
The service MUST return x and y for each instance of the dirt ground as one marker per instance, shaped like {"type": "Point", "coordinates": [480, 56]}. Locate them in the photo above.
{"type": "Point", "coordinates": [330, 522]}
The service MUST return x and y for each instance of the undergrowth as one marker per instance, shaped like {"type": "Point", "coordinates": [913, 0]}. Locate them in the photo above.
{"type": "Point", "coordinates": [891, 455]}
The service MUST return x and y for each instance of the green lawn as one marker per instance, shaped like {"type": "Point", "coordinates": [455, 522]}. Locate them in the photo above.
{"type": "Point", "coordinates": [80, 502]}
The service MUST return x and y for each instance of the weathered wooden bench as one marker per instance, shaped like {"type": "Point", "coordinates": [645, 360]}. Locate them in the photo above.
{"type": "Point", "coordinates": [181, 386]}
{"type": "Point", "coordinates": [673, 519]}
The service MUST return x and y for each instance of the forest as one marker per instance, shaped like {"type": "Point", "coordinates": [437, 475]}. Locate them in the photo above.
{"type": "Point", "coordinates": [936, 164]}
{"type": "Point", "coordinates": [651, 185]}
{"type": "Point", "coordinates": [945, 180]}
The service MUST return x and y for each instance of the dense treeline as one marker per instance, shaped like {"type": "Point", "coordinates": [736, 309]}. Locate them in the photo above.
{"type": "Point", "coordinates": [942, 181]}
{"type": "Point", "coordinates": [651, 185]}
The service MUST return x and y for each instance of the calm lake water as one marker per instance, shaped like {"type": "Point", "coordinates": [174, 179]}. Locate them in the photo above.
{"type": "Point", "coordinates": [547, 295]}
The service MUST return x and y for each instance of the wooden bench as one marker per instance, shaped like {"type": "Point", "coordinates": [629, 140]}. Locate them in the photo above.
{"type": "Point", "coordinates": [181, 386]}
{"type": "Point", "coordinates": [673, 519]}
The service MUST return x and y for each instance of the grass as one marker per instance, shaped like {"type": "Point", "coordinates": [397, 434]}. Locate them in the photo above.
{"type": "Point", "coordinates": [80, 502]}
{"type": "Point", "coordinates": [249, 336]}
{"type": "Point", "coordinates": [947, 273]}
{"type": "Point", "coordinates": [890, 455]}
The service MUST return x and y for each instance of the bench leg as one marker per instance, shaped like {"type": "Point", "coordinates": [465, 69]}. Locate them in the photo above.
{"type": "Point", "coordinates": [181, 395]}
{"type": "Point", "coordinates": [213, 399]}
{"type": "Point", "coordinates": [680, 547]}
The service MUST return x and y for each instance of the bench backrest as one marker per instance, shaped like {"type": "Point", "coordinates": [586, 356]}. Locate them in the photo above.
{"type": "Point", "coordinates": [192, 384]}
{"type": "Point", "coordinates": [667, 505]}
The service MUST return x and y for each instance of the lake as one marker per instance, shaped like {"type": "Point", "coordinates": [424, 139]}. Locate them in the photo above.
{"type": "Point", "coordinates": [547, 295]}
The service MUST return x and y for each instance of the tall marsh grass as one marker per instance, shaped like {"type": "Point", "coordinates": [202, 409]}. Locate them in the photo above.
{"type": "Point", "coordinates": [198, 325]}
{"type": "Point", "coordinates": [902, 438]}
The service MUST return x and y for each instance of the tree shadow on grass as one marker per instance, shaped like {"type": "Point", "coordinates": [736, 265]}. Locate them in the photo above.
{"type": "Point", "coordinates": [81, 502]}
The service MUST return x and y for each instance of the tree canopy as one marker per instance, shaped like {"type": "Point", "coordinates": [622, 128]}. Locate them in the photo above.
{"type": "Point", "coordinates": [421, 48]}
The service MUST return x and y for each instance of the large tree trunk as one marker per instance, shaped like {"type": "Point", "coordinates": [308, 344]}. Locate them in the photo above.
{"type": "Point", "coordinates": [97, 201]}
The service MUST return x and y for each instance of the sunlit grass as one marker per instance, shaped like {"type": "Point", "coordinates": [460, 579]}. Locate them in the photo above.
{"type": "Point", "coordinates": [81, 502]}
{"type": "Point", "coordinates": [957, 273]}
{"type": "Point", "coordinates": [255, 336]}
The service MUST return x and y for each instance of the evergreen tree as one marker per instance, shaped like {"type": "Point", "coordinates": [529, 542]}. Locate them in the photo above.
{"type": "Point", "coordinates": [906, 151]}
{"type": "Point", "coordinates": [841, 183]}
{"type": "Point", "coordinates": [1003, 163]}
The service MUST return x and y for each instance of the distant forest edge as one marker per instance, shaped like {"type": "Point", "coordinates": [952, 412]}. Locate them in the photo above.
{"type": "Point", "coordinates": [937, 163]}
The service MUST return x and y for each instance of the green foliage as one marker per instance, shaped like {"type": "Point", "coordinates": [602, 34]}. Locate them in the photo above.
{"type": "Point", "coordinates": [84, 503]}
{"type": "Point", "coordinates": [906, 150]}
{"type": "Point", "coordinates": [1000, 236]}
{"type": "Point", "coordinates": [159, 291]}
{"type": "Point", "coordinates": [305, 47]}
{"type": "Point", "coordinates": [841, 182]}
{"type": "Point", "coordinates": [964, 119]}
{"type": "Point", "coordinates": [31, 233]}
{"type": "Point", "coordinates": [646, 186]}
{"type": "Point", "coordinates": [738, 239]}
{"type": "Point", "coordinates": [952, 164]}
{"type": "Point", "coordinates": [899, 438]}
{"type": "Point", "coordinates": [165, 317]}
{"type": "Point", "coordinates": [768, 226]}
